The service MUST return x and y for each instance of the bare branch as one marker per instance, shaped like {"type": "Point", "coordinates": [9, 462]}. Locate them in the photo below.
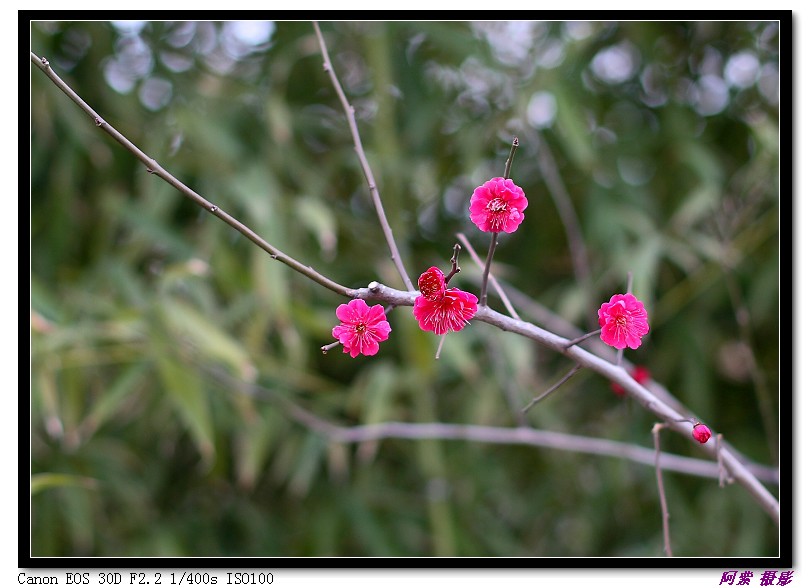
{"type": "Point", "coordinates": [507, 170]}
{"type": "Point", "coordinates": [482, 434]}
{"type": "Point", "coordinates": [562, 381]}
{"type": "Point", "coordinates": [358, 147]}
{"type": "Point", "coordinates": [581, 338]}
{"type": "Point", "coordinates": [485, 278]}
{"type": "Point", "coordinates": [153, 167]}
{"type": "Point", "coordinates": [494, 242]}
{"type": "Point", "coordinates": [454, 266]}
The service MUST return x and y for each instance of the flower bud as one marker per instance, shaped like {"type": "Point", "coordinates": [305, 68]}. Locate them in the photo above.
{"type": "Point", "coordinates": [701, 433]}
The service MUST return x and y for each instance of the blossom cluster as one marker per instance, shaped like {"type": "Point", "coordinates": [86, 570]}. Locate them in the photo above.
{"type": "Point", "coordinates": [497, 205]}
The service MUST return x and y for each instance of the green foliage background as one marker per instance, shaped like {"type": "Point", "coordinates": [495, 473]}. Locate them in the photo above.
{"type": "Point", "coordinates": [147, 312]}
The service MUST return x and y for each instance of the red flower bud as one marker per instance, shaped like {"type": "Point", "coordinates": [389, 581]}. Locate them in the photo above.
{"type": "Point", "coordinates": [701, 433]}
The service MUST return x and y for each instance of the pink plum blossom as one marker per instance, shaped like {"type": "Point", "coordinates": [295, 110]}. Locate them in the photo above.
{"type": "Point", "coordinates": [623, 320]}
{"type": "Point", "coordinates": [497, 206]}
{"type": "Point", "coordinates": [440, 309]}
{"type": "Point", "coordinates": [361, 327]}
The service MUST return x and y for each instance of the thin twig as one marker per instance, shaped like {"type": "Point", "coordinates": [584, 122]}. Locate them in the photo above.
{"type": "Point", "coordinates": [154, 168]}
{"type": "Point", "coordinates": [660, 479]}
{"type": "Point", "coordinates": [485, 278]}
{"type": "Point", "coordinates": [361, 155]}
{"type": "Point", "coordinates": [493, 280]}
{"type": "Point", "coordinates": [332, 345]}
{"type": "Point", "coordinates": [581, 338]}
{"type": "Point", "coordinates": [508, 167]}
{"type": "Point", "coordinates": [564, 379]}
{"type": "Point", "coordinates": [454, 266]}
{"type": "Point", "coordinates": [494, 242]}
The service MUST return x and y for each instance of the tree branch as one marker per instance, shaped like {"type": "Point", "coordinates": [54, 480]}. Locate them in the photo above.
{"type": "Point", "coordinates": [543, 316]}
{"type": "Point", "coordinates": [378, 292]}
{"type": "Point", "coordinates": [482, 434]}
{"type": "Point", "coordinates": [559, 383]}
{"type": "Point", "coordinates": [610, 371]}
{"type": "Point", "coordinates": [358, 147]}
{"type": "Point", "coordinates": [153, 167]}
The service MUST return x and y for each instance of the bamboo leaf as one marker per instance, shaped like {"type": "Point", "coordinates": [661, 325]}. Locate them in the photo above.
{"type": "Point", "coordinates": [184, 388]}
{"type": "Point", "coordinates": [46, 481]}
{"type": "Point", "coordinates": [206, 337]}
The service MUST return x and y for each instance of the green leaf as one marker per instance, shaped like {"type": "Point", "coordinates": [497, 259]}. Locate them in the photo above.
{"type": "Point", "coordinates": [574, 133]}
{"type": "Point", "coordinates": [314, 215]}
{"type": "Point", "coordinates": [45, 481]}
{"type": "Point", "coordinates": [308, 461]}
{"type": "Point", "coordinates": [254, 442]}
{"type": "Point", "coordinates": [185, 389]}
{"type": "Point", "coordinates": [699, 203]}
{"type": "Point", "coordinates": [206, 337]}
{"type": "Point", "coordinates": [116, 395]}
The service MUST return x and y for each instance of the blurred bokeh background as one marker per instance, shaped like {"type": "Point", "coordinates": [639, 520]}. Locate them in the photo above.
{"type": "Point", "coordinates": [167, 350]}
